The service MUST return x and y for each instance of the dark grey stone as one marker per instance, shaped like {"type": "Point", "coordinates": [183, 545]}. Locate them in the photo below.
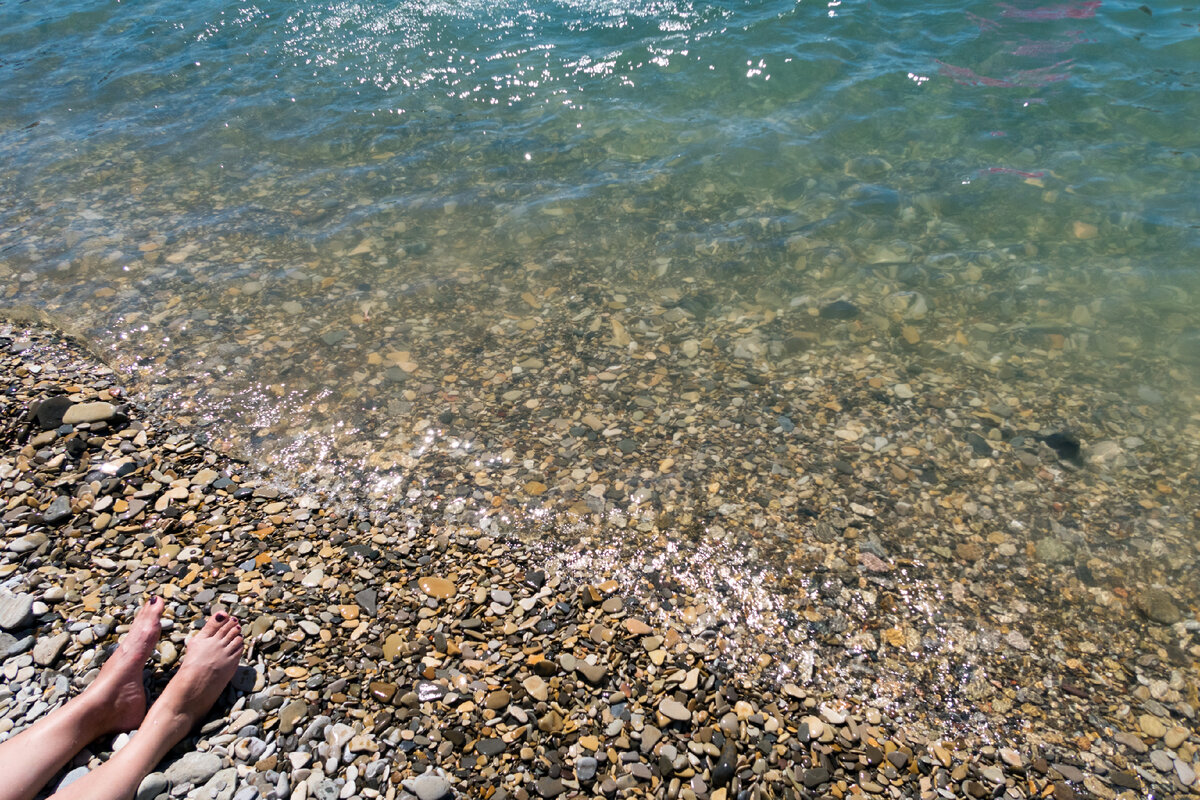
{"type": "Point", "coordinates": [49, 412]}
{"type": "Point", "coordinates": [59, 511]}
{"type": "Point", "coordinates": [489, 747]}
{"type": "Point", "coordinates": [815, 777]}
{"type": "Point", "coordinates": [839, 309]}
{"type": "Point", "coordinates": [723, 771]}
{"type": "Point", "coordinates": [366, 600]}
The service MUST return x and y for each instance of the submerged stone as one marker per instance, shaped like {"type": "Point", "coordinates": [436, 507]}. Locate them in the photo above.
{"type": "Point", "coordinates": [839, 309]}
{"type": "Point", "coordinates": [1157, 605]}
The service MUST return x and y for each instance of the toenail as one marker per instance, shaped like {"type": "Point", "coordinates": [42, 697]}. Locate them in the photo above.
{"type": "Point", "coordinates": [220, 616]}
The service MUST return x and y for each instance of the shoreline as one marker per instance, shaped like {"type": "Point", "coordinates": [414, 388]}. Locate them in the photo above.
{"type": "Point", "coordinates": [386, 643]}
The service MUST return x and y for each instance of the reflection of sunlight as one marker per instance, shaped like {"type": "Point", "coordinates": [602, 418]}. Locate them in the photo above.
{"type": "Point", "coordinates": [475, 49]}
{"type": "Point", "coordinates": [476, 222]}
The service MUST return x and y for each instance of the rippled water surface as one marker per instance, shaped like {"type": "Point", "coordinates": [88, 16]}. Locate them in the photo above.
{"type": "Point", "coordinates": [544, 263]}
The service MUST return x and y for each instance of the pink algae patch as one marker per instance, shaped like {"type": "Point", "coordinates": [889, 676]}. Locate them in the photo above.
{"type": "Point", "coordinates": [983, 23]}
{"type": "Point", "coordinates": [1011, 171]}
{"type": "Point", "coordinates": [1022, 78]}
{"type": "Point", "coordinates": [1051, 47]}
{"type": "Point", "coordinates": [1085, 10]}
{"type": "Point", "coordinates": [968, 76]}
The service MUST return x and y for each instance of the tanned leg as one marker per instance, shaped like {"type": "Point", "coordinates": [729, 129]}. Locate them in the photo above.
{"type": "Point", "coordinates": [208, 665]}
{"type": "Point", "coordinates": [114, 702]}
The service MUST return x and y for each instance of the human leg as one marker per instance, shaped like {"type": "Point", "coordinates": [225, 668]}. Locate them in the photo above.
{"type": "Point", "coordinates": [116, 701]}
{"type": "Point", "coordinates": [208, 665]}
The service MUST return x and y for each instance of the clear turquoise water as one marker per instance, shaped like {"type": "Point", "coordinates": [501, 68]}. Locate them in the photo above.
{"type": "Point", "coordinates": [175, 174]}
{"type": "Point", "coordinates": [224, 117]}
{"type": "Point", "coordinates": [251, 207]}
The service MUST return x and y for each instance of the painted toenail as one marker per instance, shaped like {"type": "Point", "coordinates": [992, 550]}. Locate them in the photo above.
{"type": "Point", "coordinates": [220, 616]}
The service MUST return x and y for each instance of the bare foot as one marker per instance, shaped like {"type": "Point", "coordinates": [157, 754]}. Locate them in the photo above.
{"type": "Point", "coordinates": [208, 665]}
{"type": "Point", "coordinates": [117, 691]}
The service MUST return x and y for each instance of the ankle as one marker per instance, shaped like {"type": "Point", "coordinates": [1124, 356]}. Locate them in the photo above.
{"type": "Point", "coordinates": [167, 722]}
{"type": "Point", "coordinates": [93, 715]}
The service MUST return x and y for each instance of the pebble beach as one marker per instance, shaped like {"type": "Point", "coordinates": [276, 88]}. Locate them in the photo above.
{"type": "Point", "coordinates": [579, 399]}
{"type": "Point", "coordinates": [973, 608]}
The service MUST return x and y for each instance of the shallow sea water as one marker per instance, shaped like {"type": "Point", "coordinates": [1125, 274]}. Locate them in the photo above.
{"type": "Point", "coordinates": [559, 268]}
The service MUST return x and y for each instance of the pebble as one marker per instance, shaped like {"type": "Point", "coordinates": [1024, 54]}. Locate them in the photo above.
{"type": "Point", "coordinates": [673, 709]}
{"type": "Point", "coordinates": [222, 785]}
{"type": "Point", "coordinates": [47, 649]}
{"type": "Point", "coordinates": [549, 787]}
{"type": "Point", "coordinates": [1132, 741]}
{"type": "Point", "coordinates": [839, 309]}
{"type": "Point", "coordinates": [339, 735]}
{"type": "Point", "coordinates": [497, 646]}
{"type": "Point", "coordinates": [438, 587]}
{"type": "Point", "coordinates": [1152, 726]}
{"type": "Point", "coordinates": [1017, 641]}
{"type": "Point", "coordinates": [536, 687]}
{"type": "Point", "coordinates": [29, 543]}
{"type": "Point", "coordinates": [593, 673]}
{"type": "Point", "coordinates": [992, 775]}
{"type": "Point", "coordinates": [58, 511]}
{"type": "Point", "coordinates": [168, 653]}
{"type": "Point", "coordinates": [1176, 736]}
{"type": "Point", "coordinates": [71, 777]}
{"type": "Point", "coordinates": [382, 691]}
{"type": "Point", "coordinates": [16, 611]}
{"type": "Point", "coordinates": [366, 599]}
{"type": "Point", "coordinates": [1157, 605]}
{"type": "Point", "coordinates": [428, 786]}
{"type": "Point", "coordinates": [834, 716]}
{"type": "Point", "coordinates": [50, 411]}
{"type": "Point", "coordinates": [490, 747]}
{"type": "Point", "coordinates": [290, 714]}
{"type": "Point", "coordinates": [152, 786]}
{"type": "Point", "coordinates": [193, 768]}
{"type": "Point", "coordinates": [8, 644]}
{"type": "Point", "coordinates": [726, 765]}
{"type": "Point", "coordinates": [585, 768]}
{"type": "Point", "coordinates": [392, 646]}
{"type": "Point", "coordinates": [1161, 760]}
{"type": "Point", "coordinates": [89, 412]}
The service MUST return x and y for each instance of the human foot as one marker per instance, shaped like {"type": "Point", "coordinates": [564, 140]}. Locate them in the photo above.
{"type": "Point", "coordinates": [118, 694]}
{"type": "Point", "coordinates": [208, 665]}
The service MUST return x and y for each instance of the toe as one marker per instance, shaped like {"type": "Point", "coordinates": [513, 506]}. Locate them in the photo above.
{"type": "Point", "coordinates": [150, 612]}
